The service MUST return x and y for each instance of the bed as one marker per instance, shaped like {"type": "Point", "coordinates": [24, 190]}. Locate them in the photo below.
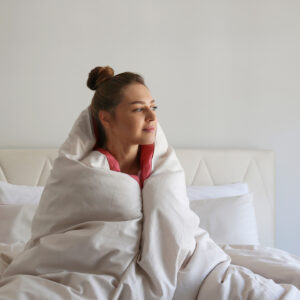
{"type": "Point", "coordinates": [203, 168]}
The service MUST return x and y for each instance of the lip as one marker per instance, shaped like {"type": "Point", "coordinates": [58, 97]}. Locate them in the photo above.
{"type": "Point", "coordinates": [149, 129]}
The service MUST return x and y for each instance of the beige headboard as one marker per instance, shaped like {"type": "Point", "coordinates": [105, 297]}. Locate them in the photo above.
{"type": "Point", "coordinates": [202, 167]}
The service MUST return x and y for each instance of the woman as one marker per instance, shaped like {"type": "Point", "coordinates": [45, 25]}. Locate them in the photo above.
{"type": "Point", "coordinates": [124, 118]}
{"type": "Point", "coordinates": [99, 234]}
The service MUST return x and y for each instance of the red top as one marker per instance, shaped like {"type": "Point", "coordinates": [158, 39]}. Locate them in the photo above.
{"type": "Point", "coordinates": [145, 159]}
{"type": "Point", "coordinates": [145, 162]}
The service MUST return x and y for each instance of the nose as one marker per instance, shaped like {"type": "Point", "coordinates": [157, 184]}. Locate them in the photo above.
{"type": "Point", "coordinates": [151, 115]}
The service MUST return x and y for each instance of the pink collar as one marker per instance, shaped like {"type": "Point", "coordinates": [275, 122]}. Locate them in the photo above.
{"type": "Point", "coordinates": [145, 162]}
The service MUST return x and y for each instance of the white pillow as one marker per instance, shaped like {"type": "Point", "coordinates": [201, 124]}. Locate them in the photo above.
{"type": "Point", "coordinates": [198, 192]}
{"type": "Point", "coordinates": [19, 194]}
{"type": "Point", "coordinates": [15, 222]}
{"type": "Point", "coordinates": [228, 220]}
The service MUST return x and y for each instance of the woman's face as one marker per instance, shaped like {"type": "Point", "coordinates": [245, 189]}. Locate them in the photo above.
{"type": "Point", "coordinates": [133, 115]}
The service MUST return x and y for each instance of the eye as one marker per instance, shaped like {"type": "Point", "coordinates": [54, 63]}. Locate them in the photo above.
{"type": "Point", "coordinates": [140, 109]}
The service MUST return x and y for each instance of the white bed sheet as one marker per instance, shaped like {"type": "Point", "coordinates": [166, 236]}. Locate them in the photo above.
{"type": "Point", "coordinates": [269, 262]}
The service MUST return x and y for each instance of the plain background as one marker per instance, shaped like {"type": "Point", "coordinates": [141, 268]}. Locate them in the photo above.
{"type": "Point", "coordinates": [225, 74]}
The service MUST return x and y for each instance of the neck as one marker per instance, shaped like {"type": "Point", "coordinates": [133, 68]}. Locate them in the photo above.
{"type": "Point", "coordinates": [127, 156]}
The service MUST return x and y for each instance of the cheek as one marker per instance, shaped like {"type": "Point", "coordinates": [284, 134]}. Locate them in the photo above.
{"type": "Point", "coordinates": [136, 123]}
{"type": "Point", "coordinates": [130, 124]}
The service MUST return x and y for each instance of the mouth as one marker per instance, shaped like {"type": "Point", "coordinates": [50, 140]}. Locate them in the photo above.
{"type": "Point", "coordinates": [149, 129]}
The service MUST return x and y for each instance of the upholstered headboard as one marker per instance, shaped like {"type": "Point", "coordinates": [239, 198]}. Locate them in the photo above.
{"type": "Point", "coordinates": [202, 167]}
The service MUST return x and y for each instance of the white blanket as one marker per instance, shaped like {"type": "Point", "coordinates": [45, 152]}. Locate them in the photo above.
{"type": "Point", "coordinates": [97, 235]}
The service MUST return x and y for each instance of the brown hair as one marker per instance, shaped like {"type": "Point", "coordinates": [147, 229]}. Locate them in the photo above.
{"type": "Point", "coordinates": [108, 93]}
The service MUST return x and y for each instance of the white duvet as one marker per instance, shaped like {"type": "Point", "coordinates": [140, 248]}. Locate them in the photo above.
{"type": "Point", "coordinates": [97, 235]}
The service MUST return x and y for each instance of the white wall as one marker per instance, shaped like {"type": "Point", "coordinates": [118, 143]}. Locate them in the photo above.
{"type": "Point", "coordinates": [224, 74]}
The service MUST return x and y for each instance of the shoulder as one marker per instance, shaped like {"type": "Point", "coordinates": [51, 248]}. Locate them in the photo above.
{"type": "Point", "coordinates": [95, 159]}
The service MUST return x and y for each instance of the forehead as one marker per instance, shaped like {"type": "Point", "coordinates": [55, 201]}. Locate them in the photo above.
{"type": "Point", "coordinates": [136, 92]}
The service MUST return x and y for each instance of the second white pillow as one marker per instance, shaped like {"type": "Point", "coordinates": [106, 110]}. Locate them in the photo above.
{"type": "Point", "coordinates": [228, 220]}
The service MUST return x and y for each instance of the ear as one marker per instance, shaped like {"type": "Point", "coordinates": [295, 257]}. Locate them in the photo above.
{"type": "Point", "coordinates": [105, 118]}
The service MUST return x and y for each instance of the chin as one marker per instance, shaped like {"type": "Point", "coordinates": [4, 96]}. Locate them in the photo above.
{"type": "Point", "coordinates": [147, 141]}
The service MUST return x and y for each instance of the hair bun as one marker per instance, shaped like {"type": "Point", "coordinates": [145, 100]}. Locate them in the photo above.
{"type": "Point", "coordinates": [98, 75]}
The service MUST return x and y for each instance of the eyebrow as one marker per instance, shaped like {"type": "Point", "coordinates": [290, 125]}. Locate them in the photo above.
{"type": "Point", "coordinates": [141, 102]}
